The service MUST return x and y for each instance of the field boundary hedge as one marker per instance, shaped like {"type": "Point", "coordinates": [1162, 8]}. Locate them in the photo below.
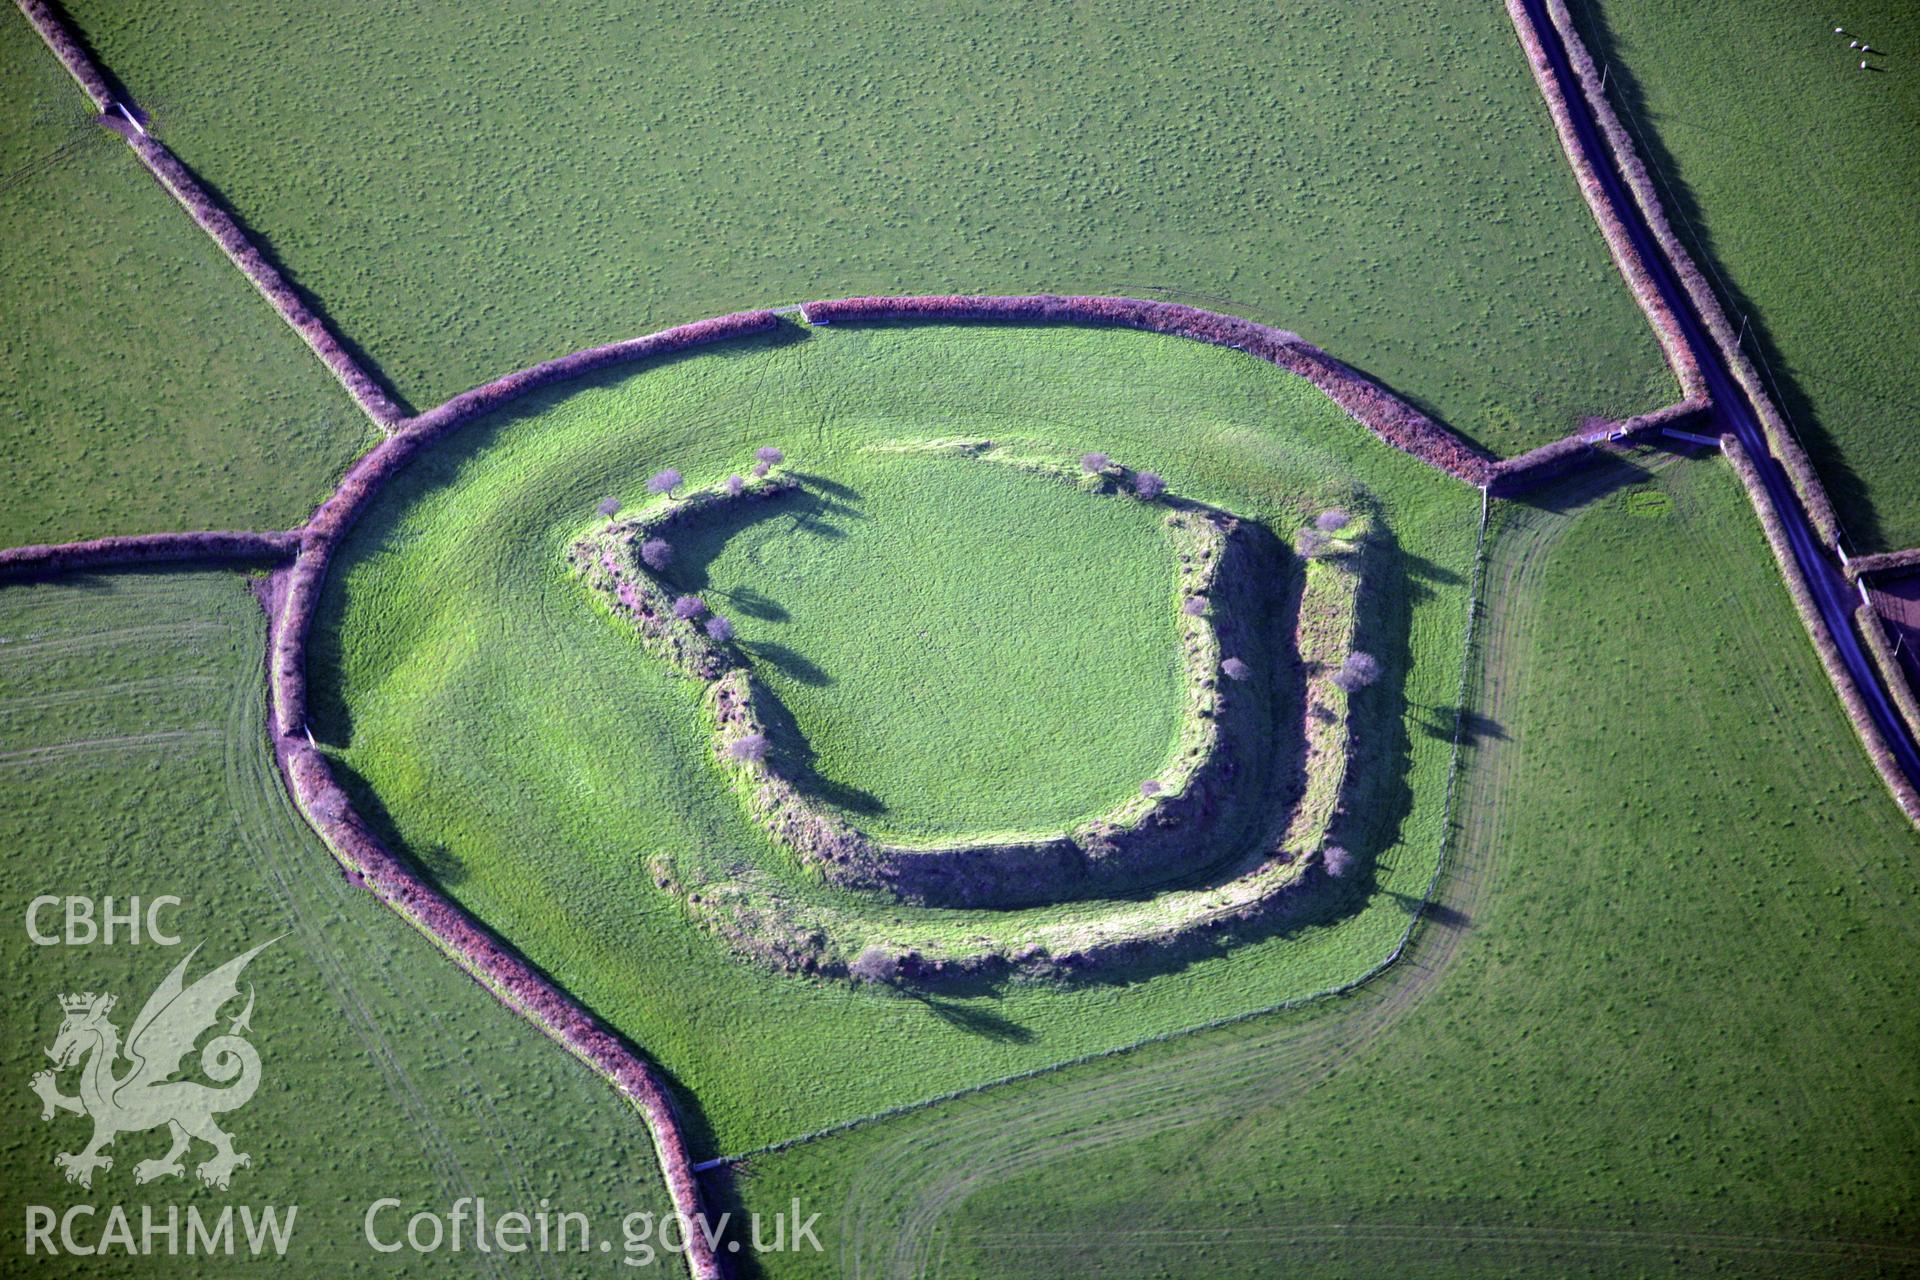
{"type": "Point", "coordinates": [72, 54]}
{"type": "Point", "coordinates": [1640, 186]}
{"type": "Point", "coordinates": [1856, 707]}
{"type": "Point", "coordinates": [1379, 410]}
{"type": "Point", "coordinates": [1626, 257]}
{"type": "Point", "coordinates": [149, 548]}
{"type": "Point", "coordinates": [338, 513]}
{"type": "Point", "coordinates": [1885, 562]}
{"type": "Point", "coordinates": [326, 807]}
{"type": "Point", "coordinates": [1873, 634]}
{"type": "Point", "coordinates": [179, 182]}
{"type": "Point", "coordinates": [1549, 461]}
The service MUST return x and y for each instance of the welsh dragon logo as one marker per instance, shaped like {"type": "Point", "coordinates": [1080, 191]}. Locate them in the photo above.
{"type": "Point", "coordinates": [144, 1095]}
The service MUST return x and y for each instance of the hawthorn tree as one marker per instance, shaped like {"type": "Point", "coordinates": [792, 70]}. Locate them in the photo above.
{"type": "Point", "coordinates": [687, 608]}
{"type": "Point", "coordinates": [1150, 788]}
{"type": "Point", "coordinates": [875, 964]}
{"type": "Point", "coordinates": [719, 629]}
{"type": "Point", "coordinates": [749, 748]}
{"type": "Point", "coordinates": [1357, 672]}
{"type": "Point", "coordinates": [771, 456]}
{"type": "Point", "coordinates": [609, 507]}
{"type": "Point", "coordinates": [656, 553]}
{"type": "Point", "coordinates": [1094, 463]}
{"type": "Point", "coordinates": [1149, 485]}
{"type": "Point", "coordinates": [734, 485]}
{"type": "Point", "coordinates": [1234, 669]}
{"type": "Point", "coordinates": [1336, 860]}
{"type": "Point", "coordinates": [1332, 520]}
{"type": "Point", "coordinates": [1194, 606]}
{"type": "Point", "coordinates": [664, 481]}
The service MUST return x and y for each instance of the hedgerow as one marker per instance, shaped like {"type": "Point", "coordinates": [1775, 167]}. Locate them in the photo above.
{"type": "Point", "coordinates": [150, 548]}
{"type": "Point", "coordinates": [1373, 406]}
{"type": "Point", "coordinates": [1823, 642]}
{"type": "Point", "coordinates": [1706, 304]}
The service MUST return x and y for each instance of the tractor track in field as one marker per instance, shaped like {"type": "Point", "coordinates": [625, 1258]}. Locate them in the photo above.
{"type": "Point", "coordinates": [27, 756]}
{"type": "Point", "coordinates": [892, 1213]}
{"type": "Point", "coordinates": [913, 1178]}
{"type": "Point", "coordinates": [1531, 1241]}
{"type": "Point", "coordinates": [253, 789]}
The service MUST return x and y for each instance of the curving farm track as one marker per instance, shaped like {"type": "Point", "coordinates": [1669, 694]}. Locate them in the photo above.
{"type": "Point", "coordinates": [915, 1174]}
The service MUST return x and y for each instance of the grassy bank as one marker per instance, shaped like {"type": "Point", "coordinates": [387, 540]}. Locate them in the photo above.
{"type": "Point", "coordinates": [936, 627]}
{"type": "Point", "coordinates": [1656, 1024]}
{"type": "Point", "coordinates": [533, 758]}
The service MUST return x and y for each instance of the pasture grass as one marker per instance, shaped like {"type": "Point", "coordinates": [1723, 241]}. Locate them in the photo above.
{"type": "Point", "coordinates": [1795, 176]}
{"type": "Point", "coordinates": [533, 758]}
{"type": "Point", "coordinates": [134, 762]}
{"type": "Point", "coordinates": [144, 385]}
{"type": "Point", "coordinates": [506, 184]}
{"type": "Point", "coordinates": [1656, 1024]}
{"type": "Point", "coordinates": [965, 649]}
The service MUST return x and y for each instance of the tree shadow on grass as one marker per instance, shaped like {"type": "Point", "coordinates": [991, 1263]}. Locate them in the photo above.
{"type": "Point", "coordinates": [751, 603]}
{"type": "Point", "coordinates": [973, 1019]}
{"type": "Point", "coordinates": [700, 539]}
{"type": "Point", "coordinates": [846, 493]}
{"type": "Point", "coordinates": [791, 662]}
{"type": "Point", "coordinates": [1442, 722]}
{"type": "Point", "coordinates": [1433, 911]}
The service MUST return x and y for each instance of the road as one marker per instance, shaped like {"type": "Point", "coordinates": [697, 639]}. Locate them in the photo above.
{"type": "Point", "coordinates": [1733, 411]}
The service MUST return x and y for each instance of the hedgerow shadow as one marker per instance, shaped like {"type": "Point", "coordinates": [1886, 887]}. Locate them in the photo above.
{"type": "Point", "coordinates": [1607, 472]}
{"type": "Point", "coordinates": [1843, 484]}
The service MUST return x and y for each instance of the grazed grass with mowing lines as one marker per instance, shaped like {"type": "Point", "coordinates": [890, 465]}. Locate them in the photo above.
{"type": "Point", "coordinates": [1652, 1025]}
{"type": "Point", "coordinates": [385, 1072]}
{"type": "Point", "coordinates": [534, 758]}
{"type": "Point", "coordinates": [144, 385]}
{"type": "Point", "coordinates": [1798, 176]}
{"type": "Point", "coordinates": [504, 186]}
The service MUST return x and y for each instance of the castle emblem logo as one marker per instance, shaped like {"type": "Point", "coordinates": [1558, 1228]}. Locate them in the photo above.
{"type": "Point", "coordinates": [129, 1087]}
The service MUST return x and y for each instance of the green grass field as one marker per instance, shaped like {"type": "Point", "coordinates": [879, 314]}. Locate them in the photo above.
{"type": "Point", "coordinates": [1656, 1021]}
{"type": "Point", "coordinates": [504, 185]}
{"type": "Point", "coordinates": [1797, 176]}
{"type": "Point", "coordinates": [144, 385]}
{"type": "Point", "coordinates": [1652, 1028]}
{"type": "Point", "coordinates": [133, 761]}
{"type": "Point", "coordinates": [533, 757]}
{"type": "Point", "coordinates": [946, 632]}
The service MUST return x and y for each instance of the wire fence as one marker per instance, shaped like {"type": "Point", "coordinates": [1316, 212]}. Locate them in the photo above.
{"type": "Point", "coordinates": [1468, 653]}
